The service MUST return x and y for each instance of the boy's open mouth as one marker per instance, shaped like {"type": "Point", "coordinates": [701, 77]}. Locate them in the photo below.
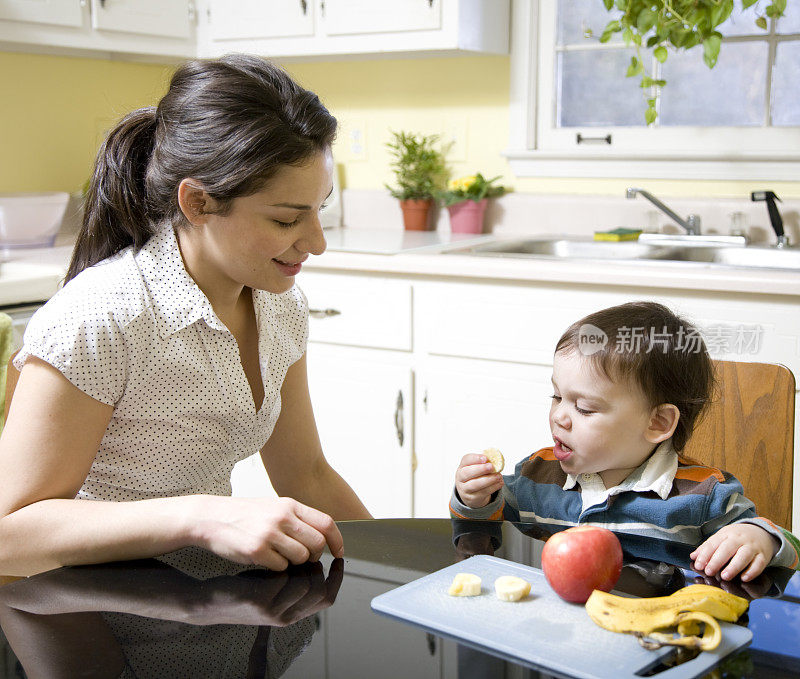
{"type": "Point", "coordinates": [561, 450]}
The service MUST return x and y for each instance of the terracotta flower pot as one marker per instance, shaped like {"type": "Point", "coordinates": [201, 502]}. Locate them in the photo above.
{"type": "Point", "coordinates": [467, 216]}
{"type": "Point", "coordinates": [417, 214]}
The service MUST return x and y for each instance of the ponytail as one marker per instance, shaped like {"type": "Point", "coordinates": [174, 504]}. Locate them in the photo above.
{"type": "Point", "coordinates": [115, 211]}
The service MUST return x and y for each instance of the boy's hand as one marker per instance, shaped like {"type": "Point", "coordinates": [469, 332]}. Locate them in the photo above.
{"type": "Point", "coordinates": [476, 480]}
{"type": "Point", "coordinates": [741, 546]}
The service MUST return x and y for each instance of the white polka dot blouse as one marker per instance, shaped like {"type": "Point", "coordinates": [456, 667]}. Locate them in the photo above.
{"type": "Point", "coordinates": [135, 332]}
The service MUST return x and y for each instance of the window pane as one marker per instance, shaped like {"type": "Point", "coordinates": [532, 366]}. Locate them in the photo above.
{"type": "Point", "coordinates": [785, 76]}
{"type": "Point", "coordinates": [594, 90]}
{"type": "Point", "coordinates": [790, 21]}
{"type": "Point", "coordinates": [743, 22]}
{"type": "Point", "coordinates": [576, 16]}
{"type": "Point", "coordinates": [732, 93]}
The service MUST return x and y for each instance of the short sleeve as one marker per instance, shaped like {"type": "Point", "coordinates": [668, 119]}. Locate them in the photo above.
{"type": "Point", "coordinates": [78, 334]}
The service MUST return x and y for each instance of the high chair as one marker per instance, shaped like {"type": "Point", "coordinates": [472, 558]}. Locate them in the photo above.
{"type": "Point", "coordinates": [749, 431]}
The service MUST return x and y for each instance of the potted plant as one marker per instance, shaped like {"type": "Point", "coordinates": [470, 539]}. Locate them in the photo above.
{"type": "Point", "coordinates": [466, 199]}
{"type": "Point", "coordinates": [420, 171]}
{"type": "Point", "coordinates": [680, 24]}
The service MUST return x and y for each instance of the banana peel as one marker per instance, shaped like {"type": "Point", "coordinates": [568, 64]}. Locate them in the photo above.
{"type": "Point", "coordinates": [682, 611]}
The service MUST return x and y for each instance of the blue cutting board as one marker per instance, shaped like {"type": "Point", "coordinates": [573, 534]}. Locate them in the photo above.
{"type": "Point", "coordinates": [542, 631]}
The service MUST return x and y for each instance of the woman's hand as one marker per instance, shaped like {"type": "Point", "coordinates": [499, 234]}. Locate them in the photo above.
{"type": "Point", "coordinates": [476, 480]}
{"type": "Point", "coordinates": [265, 532]}
{"type": "Point", "coordinates": [738, 548]}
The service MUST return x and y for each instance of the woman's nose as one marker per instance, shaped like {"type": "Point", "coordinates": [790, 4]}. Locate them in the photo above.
{"type": "Point", "coordinates": [313, 237]}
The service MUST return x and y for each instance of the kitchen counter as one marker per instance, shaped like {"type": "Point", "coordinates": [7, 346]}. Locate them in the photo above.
{"type": "Point", "coordinates": [676, 275]}
{"type": "Point", "coordinates": [34, 275]}
{"type": "Point", "coordinates": [146, 619]}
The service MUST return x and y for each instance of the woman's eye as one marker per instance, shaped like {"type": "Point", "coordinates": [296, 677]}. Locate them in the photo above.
{"type": "Point", "coordinates": [322, 207]}
{"type": "Point", "coordinates": [285, 225]}
{"type": "Point", "coordinates": [582, 411]}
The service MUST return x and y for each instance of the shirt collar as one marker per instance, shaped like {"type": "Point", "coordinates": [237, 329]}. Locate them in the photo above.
{"type": "Point", "coordinates": [178, 301]}
{"type": "Point", "coordinates": [655, 474]}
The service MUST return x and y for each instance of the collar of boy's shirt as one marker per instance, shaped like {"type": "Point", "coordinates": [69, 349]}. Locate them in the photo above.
{"type": "Point", "coordinates": [655, 474]}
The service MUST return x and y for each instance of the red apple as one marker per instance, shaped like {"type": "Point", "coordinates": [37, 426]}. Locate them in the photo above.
{"type": "Point", "coordinates": [581, 559]}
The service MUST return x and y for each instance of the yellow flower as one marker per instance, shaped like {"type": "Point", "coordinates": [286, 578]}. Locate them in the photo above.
{"type": "Point", "coordinates": [462, 183]}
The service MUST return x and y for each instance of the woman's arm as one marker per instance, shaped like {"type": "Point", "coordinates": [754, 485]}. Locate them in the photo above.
{"type": "Point", "coordinates": [46, 450]}
{"type": "Point", "coordinates": [294, 459]}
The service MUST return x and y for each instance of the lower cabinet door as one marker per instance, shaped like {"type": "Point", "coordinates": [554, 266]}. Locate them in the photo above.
{"type": "Point", "coordinates": [363, 406]}
{"type": "Point", "coordinates": [467, 405]}
{"type": "Point", "coordinates": [362, 643]}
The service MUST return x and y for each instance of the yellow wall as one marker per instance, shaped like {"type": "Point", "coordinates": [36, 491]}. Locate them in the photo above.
{"type": "Point", "coordinates": [56, 109]}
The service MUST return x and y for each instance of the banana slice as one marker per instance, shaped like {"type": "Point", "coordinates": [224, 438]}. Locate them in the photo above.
{"type": "Point", "coordinates": [496, 458]}
{"type": "Point", "coordinates": [511, 588]}
{"type": "Point", "coordinates": [465, 584]}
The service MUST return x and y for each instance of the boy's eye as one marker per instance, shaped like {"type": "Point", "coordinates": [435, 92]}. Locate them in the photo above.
{"type": "Point", "coordinates": [556, 398]}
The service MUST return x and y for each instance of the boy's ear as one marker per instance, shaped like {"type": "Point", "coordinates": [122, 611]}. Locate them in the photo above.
{"type": "Point", "coordinates": [193, 201]}
{"type": "Point", "coordinates": [663, 420]}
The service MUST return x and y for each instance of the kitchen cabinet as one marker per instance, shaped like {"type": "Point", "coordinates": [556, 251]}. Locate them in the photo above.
{"type": "Point", "coordinates": [464, 406]}
{"type": "Point", "coordinates": [362, 405]}
{"type": "Point", "coordinates": [326, 28]}
{"type": "Point", "coordinates": [139, 28]}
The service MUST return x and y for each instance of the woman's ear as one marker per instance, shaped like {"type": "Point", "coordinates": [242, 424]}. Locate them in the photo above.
{"type": "Point", "coordinates": [663, 420]}
{"type": "Point", "coordinates": [193, 201]}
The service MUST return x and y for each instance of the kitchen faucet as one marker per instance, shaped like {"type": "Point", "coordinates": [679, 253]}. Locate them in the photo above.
{"type": "Point", "coordinates": [691, 223]}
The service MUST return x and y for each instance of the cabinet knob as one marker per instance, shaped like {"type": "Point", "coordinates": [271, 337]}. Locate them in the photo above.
{"type": "Point", "coordinates": [304, 6]}
{"type": "Point", "coordinates": [323, 313]}
{"type": "Point", "coordinates": [431, 643]}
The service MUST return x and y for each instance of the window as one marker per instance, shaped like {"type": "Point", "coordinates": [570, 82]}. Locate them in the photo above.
{"type": "Point", "coordinates": [574, 113]}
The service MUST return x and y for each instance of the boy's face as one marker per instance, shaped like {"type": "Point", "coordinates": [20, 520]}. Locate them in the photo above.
{"type": "Point", "coordinates": [598, 425]}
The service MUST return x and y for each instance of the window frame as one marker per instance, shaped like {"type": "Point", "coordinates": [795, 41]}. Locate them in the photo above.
{"type": "Point", "coordinates": [538, 149]}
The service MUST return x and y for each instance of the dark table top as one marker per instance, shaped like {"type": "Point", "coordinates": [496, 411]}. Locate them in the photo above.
{"type": "Point", "coordinates": [201, 616]}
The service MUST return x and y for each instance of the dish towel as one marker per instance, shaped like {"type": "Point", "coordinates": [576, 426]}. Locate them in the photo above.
{"type": "Point", "coordinates": [6, 349]}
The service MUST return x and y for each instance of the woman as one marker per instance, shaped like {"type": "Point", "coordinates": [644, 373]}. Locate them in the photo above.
{"type": "Point", "coordinates": [176, 348]}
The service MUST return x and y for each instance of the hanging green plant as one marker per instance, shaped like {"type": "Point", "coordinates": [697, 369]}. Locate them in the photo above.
{"type": "Point", "coordinates": [682, 24]}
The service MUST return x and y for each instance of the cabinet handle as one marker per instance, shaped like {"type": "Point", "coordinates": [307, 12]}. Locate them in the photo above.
{"type": "Point", "coordinates": [103, 4]}
{"type": "Point", "coordinates": [304, 6]}
{"type": "Point", "coordinates": [398, 418]}
{"type": "Point", "coordinates": [431, 643]}
{"type": "Point", "coordinates": [192, 9]}
{"type": "Point", "coordinates": [323, 313]}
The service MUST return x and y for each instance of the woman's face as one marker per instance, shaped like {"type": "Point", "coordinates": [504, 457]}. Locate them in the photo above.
{"type": "Point", "coordinates": [263, 240]}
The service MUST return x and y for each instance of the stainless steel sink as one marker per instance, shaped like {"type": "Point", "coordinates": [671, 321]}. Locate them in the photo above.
{"type": "Point", "coordinates": [577, 248]}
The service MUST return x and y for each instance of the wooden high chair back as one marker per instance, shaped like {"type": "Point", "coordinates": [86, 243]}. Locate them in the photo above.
{"type": "Point", "coordinates": [749, 431]}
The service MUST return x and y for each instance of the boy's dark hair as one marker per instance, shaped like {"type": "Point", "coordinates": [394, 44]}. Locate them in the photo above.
{"type": "Point", "coordinates": [229, 123]}
{"type": "Point", "coordinates": [656, 349]}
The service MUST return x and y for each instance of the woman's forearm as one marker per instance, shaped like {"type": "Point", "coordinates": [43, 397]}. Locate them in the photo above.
{"type": "Point", "coordinates": [59, 532]}
{"type": "Point", "coordinates": [330, 493]}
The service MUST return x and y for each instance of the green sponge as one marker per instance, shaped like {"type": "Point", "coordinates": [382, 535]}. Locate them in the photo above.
{"type": "Point", "coordinates": [618, 234]}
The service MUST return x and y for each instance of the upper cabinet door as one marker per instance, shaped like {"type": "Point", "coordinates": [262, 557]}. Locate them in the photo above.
{"type": "Point", "coordinates": [351, 17]}
{"type": "Point", "coordinates": [57, 12]}
{"type": "Point", "coordinates": [243, 19]}
{"type": "Point", "coordinates": [168, 18]}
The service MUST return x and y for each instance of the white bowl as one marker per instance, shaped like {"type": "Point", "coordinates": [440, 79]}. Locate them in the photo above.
{"type": "Point", "coordinates": [31, 220]}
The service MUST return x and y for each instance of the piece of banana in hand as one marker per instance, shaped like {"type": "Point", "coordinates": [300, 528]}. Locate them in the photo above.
{"type": "Point", "coordinates": [511, 588]}
{"type": "Point", "coordinates": [496, 458]}
{"type": "Point", "coordinates": [465, 584]}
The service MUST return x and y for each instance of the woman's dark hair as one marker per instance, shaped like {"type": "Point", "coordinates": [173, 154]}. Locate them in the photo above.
{"type": "Point", "coordinates": [229, 123]}
{"type": "Point", "coordinates": [647, 344]}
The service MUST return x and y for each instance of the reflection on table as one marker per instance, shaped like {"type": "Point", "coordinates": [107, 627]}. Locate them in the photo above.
{"type": "Point", "coordinates": [195, 615]}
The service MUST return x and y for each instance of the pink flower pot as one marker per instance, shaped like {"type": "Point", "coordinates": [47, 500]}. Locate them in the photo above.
{"type": "Point", "coordinates": [467, 216]}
